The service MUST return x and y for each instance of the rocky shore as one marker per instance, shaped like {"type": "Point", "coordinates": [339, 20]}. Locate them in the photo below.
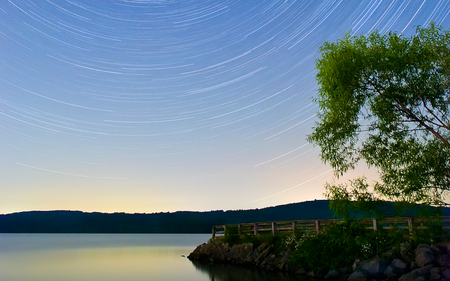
{"type": "Point", "coordinates": [404, 264]}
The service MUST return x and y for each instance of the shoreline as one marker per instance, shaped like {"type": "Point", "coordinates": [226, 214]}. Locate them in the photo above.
{"type": "Point", "coordinates": [425, 262]}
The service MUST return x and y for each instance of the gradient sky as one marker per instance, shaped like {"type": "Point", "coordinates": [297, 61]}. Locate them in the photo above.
{"type": "Point", "coordinates": [155, 106]}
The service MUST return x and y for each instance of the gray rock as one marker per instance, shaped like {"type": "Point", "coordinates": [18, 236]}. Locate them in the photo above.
{"type": "Point", "coordinates": [260, 258]}
{"type": "Point", "coordinates": [333, 274]}
{"type": "Point", "coordinates": [435, 249]}
{"type": "Point", "coordinates": [424, 258]}
{"type": "Point", "coordinates": [420, 278]}
{"type": "Point", "coordinates": [444, 260]}
{"type": "Point", "coordinates": [446, 273]}
{"type": "Point", "coordinates": [356, 264]}
{"type": "Point", "coordinates": [435, 277]}
{"type": "Point", "coordinates": [410, 276]}
{"type": "Point", "coordinates": [406, 252]}
{"type": "Point", "coordinates": [256, 252]}
{"type": "Point", "coordinates": [399, 264]}
{"type": "Point", "coordinates": [358, 275]}
{"type": "Point", "coordinates": [390, 272]}
{"type": "Point", "coordinates": [425, 270]}
{"type": "Point", "coordinates": [375, 267]}
{"type": "Point", "coordinates": [437, 270]}
{"type": "Point", "coordinates": [239, 253]}
{"type": "Point", "coordinates": [444, 247]}
{"type": "Point", "coordinates": [283, 259]}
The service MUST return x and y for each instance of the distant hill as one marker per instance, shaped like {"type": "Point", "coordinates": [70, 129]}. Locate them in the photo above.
{"type": "Point", "coordinates": [177, 222]}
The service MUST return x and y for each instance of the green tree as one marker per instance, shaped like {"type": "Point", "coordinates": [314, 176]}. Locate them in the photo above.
{"type": "Point", "coordinates": [384, 99]}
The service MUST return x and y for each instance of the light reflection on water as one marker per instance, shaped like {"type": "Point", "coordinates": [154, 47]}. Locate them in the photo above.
{"type": "Point", "coordinates": [112, 257]}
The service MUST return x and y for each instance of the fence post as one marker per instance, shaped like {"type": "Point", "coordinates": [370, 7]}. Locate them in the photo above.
{"type": "Point", "coordinates": [411, 225]}
{"type": "Point", "coordinates": [255, 229]}
{"type": "Point", "coordinates": [375, 224]}
{"type": "Point", "coordinates": [317, 226]}
{"type": "Point", "coordinates": [213, 232]}
{"type": "Point", "coordinates": [239, 229]}
{"type": "Point", "coordinates": [273, 227]}
{"type": "Point", "coordinates": [293, 227]}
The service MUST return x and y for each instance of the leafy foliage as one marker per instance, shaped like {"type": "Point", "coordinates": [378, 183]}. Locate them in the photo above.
{"type": "Point", "coordinates": [341, 243]}
{"type": "Point", "coordinates": [336, 247]}
{"type": "Point", "coordinates": [385, 99]}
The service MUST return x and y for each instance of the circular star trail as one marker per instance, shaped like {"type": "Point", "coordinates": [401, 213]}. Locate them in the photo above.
{"type": "Point", "coordinates": [145, 106]}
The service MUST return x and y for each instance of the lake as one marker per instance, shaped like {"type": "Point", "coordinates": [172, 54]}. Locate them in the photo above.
{"type": "Point", "coordinates": [114, 257]}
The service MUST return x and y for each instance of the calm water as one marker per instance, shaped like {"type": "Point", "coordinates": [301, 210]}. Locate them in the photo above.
{"type": "Point", "coordinates": [113, 257]}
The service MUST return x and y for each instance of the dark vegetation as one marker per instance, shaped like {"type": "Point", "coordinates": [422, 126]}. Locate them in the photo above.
{"type": "Point", "coordinates": [340, 244]}
{"type": "Point", "coordinates": [177, 222]}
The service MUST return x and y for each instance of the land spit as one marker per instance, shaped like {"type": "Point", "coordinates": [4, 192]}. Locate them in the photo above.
{"type": "Point", "coordinates": [421, 264]}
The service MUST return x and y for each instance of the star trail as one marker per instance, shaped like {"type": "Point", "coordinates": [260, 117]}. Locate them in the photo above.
{"type": "Point", "coordinates": [148, 106]}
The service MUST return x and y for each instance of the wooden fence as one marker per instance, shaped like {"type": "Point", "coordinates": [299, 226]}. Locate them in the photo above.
{"type": "Point", "coordinates": [409, 223]}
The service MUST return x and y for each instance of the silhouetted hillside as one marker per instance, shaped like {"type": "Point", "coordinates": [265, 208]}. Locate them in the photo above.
{"type": "Point", "coordinates": [177, 222]}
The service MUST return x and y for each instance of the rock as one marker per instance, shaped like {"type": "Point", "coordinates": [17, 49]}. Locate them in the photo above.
{"type": "Point", "coordinates": [444, 247]}
{"type": "Point", "coordinates": [444, 260]}
{"type": "Point", "coordinates": [301, 271]}
{"type": "Point", "coordinates": [374, 268]}
{"type": "Point", "coordinates": [410, 276]}
{"type": "Point", "coordinates": [435, 277]}
{"type": "Point", "coordinates": [406, 252]}
{"type": "Point", "coordinates": [435, 273]}
{"type": "Point", "coordinates": [260, 258]}
{"type": "Point", "coordinates": [359, 263]}
{"type": "Point", "coordinates": [446, 273]}
{"type": "Point", "coordinates": [425, 270]}
{"type": "Point", "coordinates": [358, 275]}
{"type": "Point", "coordinates": [390, 272]}
{"type": "Point", "coordinates": [356, 264]}
{"type": "Point", "coordinates": [333, 274]}
{"type": "Point", "coordinates": [395, 269]}
{"type": "Point", "coordinates": [424, 255]}
{"type": "Point", "coordinates": [257, 252]}
{"type": "Point", "coordinates": [399, 264]}
{"type": "Point", "coordinates": [283, 259]}
{"type": "Point", "coordinates": [238, 253]}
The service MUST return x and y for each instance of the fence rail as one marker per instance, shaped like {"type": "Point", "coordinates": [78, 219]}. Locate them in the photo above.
{"type": "Point", "coordinates": [410, 223]}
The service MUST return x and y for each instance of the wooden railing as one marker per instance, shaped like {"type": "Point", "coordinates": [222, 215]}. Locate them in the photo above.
{"type": "Point", "coordinates": [409, 223]}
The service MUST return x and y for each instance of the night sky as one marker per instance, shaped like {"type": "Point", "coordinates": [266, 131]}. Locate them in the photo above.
{"type": "Point", "coordinates": [149, 106]}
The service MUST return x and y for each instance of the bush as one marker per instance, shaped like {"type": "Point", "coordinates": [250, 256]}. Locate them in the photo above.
{"type": "Point", "coordinates": [337, 246]}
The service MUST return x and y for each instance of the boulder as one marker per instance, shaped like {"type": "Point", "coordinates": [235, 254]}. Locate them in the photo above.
{"type": "Point", "coordinates": [444, 247]}
{"type": "Point", "coordinates": [410, 276]}
{"type": "Point", "coordinates": [446, 273]}
{"type": "Point", "coordinates": [359, 275]}
{"type": "Point", "coordinates": [399, 264]}
{"type": "Point", "coordinates": [390, 273]}
{"type": "Point", "coordinates": [257, 252]}
{"type": "Point", "coordinates": [424, 255]}
{"type": "Point", "coordinates": [425, 270]}
{"type": "Point", "coordinates": [238, 253]}
{"type": "Point", "coordinates": [333, 274]}
{"type": "Point", "coordinates": [395, 269]}
{"type": "Point", "coordinates": [406, 252]}
{"type": "Point", "coordinates": [375, 268]}
{"type": "Point", "coordinates": [435, 273]}
{"type": "Point", "coordinates": [421, 272]}
{"type": "Point", "coordinates": [444, 260]}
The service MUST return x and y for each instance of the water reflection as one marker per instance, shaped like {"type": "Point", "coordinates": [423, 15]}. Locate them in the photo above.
{"type": "Point", "coordinates": [223, 272]}
{"type": "Point", "coordinates": [107, 257]}
{"type": "Point", "coordinates": [90, 257]}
